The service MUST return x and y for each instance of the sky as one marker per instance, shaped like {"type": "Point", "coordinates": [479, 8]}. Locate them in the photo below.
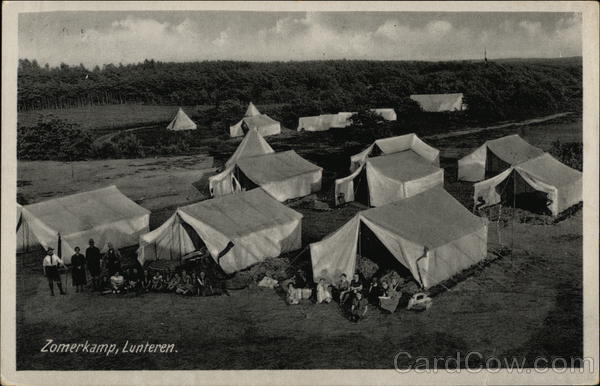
{"type": "Point", "coordinates": [97, 38]}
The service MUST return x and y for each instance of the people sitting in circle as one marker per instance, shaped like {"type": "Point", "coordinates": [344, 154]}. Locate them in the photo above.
{"type": "Point", "coordinates": [146, 282]}
{"type": "Point", "coordinates": [354, 287]}
{"type": "Point", "coordinates": [323, 292]}
{"type": "Point", "coordinates": [117, 282]}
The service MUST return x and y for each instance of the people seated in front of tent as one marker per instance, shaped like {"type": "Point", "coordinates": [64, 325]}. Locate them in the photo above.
{"type": "Point", "coordinates": [173, 282]}
{"type": "Point", "coordinates": [185, 286]}
{"type": "Point", "coordinates": [293, 295]}
{"type": "Point", "coordinates": [113, 260]}
{"type": "Point", "coordinates": [323, 292]}
{"type": "Point", "coordinates": [78, 270]}
{"type": "Point", "coordinates": [390, 298]}
{"type": "Point", "coordinates": [117, 282]}
{"type": "Point", "coordinates": [146, 281]}
{"type": "Point", "coordinates": [157, 282]}
{"type": "Point", "coordinates": [342, 287]}
{"type": "Point", "coordinates": [359, 307]}
{"type": "Point", "coordinates": [354, 287]}
{"type": "Point", "coordinates": [134, 284]}
{"type": "Point", "coordinates": [375, 291]}
{"type": "Point", "coordinates": [205, 287]}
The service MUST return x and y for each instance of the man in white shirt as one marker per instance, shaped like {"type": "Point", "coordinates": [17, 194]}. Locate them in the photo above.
{"type": "Point", "coordinates": [51, 264]}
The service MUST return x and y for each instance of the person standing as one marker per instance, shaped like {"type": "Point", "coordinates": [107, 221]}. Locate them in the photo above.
{"type": "Point", "coordinates": [50, 265]}
{"type": "Point", "coordinates": [113, 260]}
{"type": "Point", "coordinates": [78, 263]}
{"type": "Point", "coordinates": [93, 259]}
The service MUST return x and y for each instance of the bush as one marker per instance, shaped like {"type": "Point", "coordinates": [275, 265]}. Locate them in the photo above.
{"type": "Point", "coordinates": [570, 153]}
{"type": "Point", "coordinates": [129, 146]}
{"type": "Point", "coordinates": [53, 139]}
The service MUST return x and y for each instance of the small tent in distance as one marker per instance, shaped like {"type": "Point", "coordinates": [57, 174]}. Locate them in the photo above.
{"type": "Point", "coordinates": [254, 120]}
{"type": "Point", "coordinates": [431, 234]}
{"type": "Point", "coordinates": [437, 103]}
{"type": "Point", "coordinates": [541, 184]}
{"type": "Point", "coordinates": [105, 215]}
{"type": "Point", "coordinates": [495, 156]}
{"type": "Point", "coordinates": [238, 231]}
{"type": "Point", "coordinates": [283, 175]}
{"type": "Point", "coordinates": [386, 114]}
{"type": "Point", "coordinates": [325, 122]}
{"type": "Point", "coordinates": [390, 169]}
{"type": "Point", "coordinates": [181, 122]}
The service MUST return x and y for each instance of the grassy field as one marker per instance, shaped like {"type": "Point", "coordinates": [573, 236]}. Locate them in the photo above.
{"type": "Point", "coordinates": [523, 305]}
{"type": "Point", "coordinates": [109, 117]}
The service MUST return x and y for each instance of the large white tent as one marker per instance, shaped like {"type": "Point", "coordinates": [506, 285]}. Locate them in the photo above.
{"type": "Point", "coordinates": [254, 120]}
{"type": "Point", "coordinates": [181, 122]}
{"type": "Point", "coordinates": [560, 184]}
{"type": "Point", "coordinates": [431, 234]}
{"type": "Point", "coordinates": [392, 169]}
{"type": "Point", "coordinates": [325, 122]}
{"type": "Point", "coordinates": [436, 103]}
{"type": "Point", "coordinates": [238, 231]}
{"type": "Point", "coordinates": [105, 215]}
{"type": "Point", "coordinates": [495, 156]}
{"type": "Point", "coordinates": [283, 175]}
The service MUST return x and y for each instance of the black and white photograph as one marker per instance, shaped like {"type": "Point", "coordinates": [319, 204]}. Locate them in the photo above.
{"type": "Point", "coordinates": [300, 186]}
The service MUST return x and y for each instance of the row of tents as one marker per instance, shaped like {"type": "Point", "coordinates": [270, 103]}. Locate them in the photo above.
{"type": "Point", "coordinates": [420, 224]}
{"type": "Point", "coordinates": [254, 120]}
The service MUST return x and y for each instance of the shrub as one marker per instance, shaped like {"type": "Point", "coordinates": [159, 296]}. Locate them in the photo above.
{"type": "Point", "coordinates": [129, 146]}
{"type": "Point", "coordinates": [570, 153]}
{"type": "Point", "coordinates": [53, 139]}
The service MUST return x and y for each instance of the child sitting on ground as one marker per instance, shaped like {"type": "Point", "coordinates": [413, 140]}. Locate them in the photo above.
{"type": "Point", "coordinates": [293, 295]}
{"type": "Point", "coordinates": [174, 282]}
{"type": "Point", "coordinates": [323, 292]}
{"type": "Point", "coordinates": [157, 282]}
{"type": "Point", "coordinates": [185, 284]}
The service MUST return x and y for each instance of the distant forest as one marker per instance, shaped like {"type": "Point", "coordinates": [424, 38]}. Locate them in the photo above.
{"type": "Point", "coordinates": [493, 90]}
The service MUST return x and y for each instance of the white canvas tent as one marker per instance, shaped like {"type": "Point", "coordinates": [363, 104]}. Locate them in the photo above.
{"type": "Point", "coordinates": [431, 234]}
{"type": "Point", "coordinates": [264, 124]}
{"type": "Point", "coordinates": [251, 111]}
{"type": "Point", "coordinates": [561, 185]}
{"type": "Point", "coordinates": [495, 156]}
{"type": "Point", "coordinates": [325, 122]}
{"type": "Point", "coordinates": [253, 119]}
{"type": "Point", "coordinates": [386, 114]}
{"type": "Point", "coordinates": [105, 215]}
{"type": "Point", "coordinates": [238, 231]}
{"type": "Point", "coordinates": [436, 103]}
{"type": "Point", "coordinates": [181, 122]}
{"type": "Point", "coordinates": [283, 175]}
{"type": "Point", "coordinates": [392, 168]}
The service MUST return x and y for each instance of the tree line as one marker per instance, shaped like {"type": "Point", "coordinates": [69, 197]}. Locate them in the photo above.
{"type": "Point", "coordinates": [507, 89]}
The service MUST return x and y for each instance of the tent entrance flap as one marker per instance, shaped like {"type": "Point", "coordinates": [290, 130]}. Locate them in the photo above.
{"type": "Point", "coordinates": [494, 165]}
{"type": "Point", "coordinates": [193, 235]}
{"type": "Point", "coordinates": [370, 247]}
{"type": "Point", "coordinates": [515, 191]}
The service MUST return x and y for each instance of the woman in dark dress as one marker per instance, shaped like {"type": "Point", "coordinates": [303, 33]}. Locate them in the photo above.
{"type": "Point", "coordinates": [79, 277]}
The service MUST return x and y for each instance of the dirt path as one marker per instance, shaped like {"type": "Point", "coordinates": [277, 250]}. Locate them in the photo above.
{"type": "Point", "coordinates": [495, 127]}
{"type": "Point", "coordinates": [110, 136]}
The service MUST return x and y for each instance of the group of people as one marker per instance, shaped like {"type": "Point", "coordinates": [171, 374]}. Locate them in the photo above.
{"type": "Point", "coordinates": [354, 298]}
{"type": "Point", "coordinates": [194, 284]}
{"type": "Point", "coordinates": [108, 275]}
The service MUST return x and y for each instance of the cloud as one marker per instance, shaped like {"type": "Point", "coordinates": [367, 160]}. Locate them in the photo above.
{"type": "Point", "coordinates": [303, 36]}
